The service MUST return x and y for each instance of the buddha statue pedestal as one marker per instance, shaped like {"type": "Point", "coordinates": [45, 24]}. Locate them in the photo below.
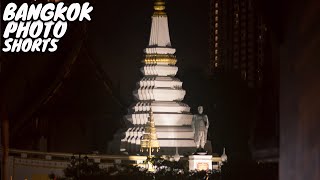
{"type": "Point", "coordinates": [200, 162]}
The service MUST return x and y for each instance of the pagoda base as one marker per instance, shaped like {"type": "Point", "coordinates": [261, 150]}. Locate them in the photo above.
{"type": "Point", "coordinates": [124, 145]}
{"type": "Point", "coordinates": [183, 149]}
{"type": "Point", "coordinates": [200, 162]}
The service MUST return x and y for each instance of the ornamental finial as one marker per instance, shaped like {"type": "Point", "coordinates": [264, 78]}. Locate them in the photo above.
{"type": "Point", "coordinates": [159, 6]}
{"type": "Point", "coordinates": [149, 139]}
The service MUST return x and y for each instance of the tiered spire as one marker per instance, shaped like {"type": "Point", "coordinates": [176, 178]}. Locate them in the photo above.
{"type": "Point", "coordinates": [159, 42]}
{"type": "Point", "coordinates": [149, 138]}
{"type": "Point", "coordinates": [160, 90]}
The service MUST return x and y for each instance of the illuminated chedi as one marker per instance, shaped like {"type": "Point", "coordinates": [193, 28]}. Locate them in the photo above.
{"type": "Point", "coordinates": [160, 90]}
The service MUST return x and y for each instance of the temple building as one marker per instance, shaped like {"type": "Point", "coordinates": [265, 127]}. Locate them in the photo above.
{"type": "Point", "coordinates": [162, 92]}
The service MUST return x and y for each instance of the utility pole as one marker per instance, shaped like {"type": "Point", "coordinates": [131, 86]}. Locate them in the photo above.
{"type": "Point", "coordinates": [5, 142]}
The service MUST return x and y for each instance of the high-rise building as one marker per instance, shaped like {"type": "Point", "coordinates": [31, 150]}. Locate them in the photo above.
{"type": "Point", "coordinates": [241, 50]}
{"type": "Point", "coordinates": [237, 39]}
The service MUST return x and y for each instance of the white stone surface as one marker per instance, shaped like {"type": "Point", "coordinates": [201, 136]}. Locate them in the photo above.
{"type": "Point", "coordinates": [174, 135]}
{"type": "Point", "coordinates": [159, 94]}
{"type": "Point", "coordinates": [159, 70]}
{"type": "Point", "coordinates": [200, 162]}
{"type": "Point", "coordinates": [159, 50]}
{"type": "Point", "coordinates": [161, 107]}
{"type": "Point", "coordinates": [159, 36]}
{"type": "Point", "coordinates": [160, 82]}
{"type": "Point", "coordinates": [176, 143]}
{"type": "Point", "coordinates": [163, 119]}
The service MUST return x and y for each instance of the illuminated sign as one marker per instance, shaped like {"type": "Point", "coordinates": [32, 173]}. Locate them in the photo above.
{"type": "Point", "coordinates": [202, 166]}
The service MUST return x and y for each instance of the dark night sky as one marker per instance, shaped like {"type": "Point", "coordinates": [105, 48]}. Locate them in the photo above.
{"type": "Point", "coordinates": [119, 31]}
{"type": "Point", "coordinates": [116, 38]}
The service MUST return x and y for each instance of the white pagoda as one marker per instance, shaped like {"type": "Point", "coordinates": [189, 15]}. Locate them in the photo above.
{"type": "Point", "coordinates": [162, 92]}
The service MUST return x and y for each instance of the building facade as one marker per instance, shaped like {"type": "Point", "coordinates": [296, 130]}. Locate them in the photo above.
{"type": "Point", "coordinates": [241, 49]}
{"type": "Point", "coordinates": [237, 39]}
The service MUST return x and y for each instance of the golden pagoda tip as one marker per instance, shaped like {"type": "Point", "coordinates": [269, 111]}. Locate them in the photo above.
{"type": "Point", "coordinates": [159, 6]}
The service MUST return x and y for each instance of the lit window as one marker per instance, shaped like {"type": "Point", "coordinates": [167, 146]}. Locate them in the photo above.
{"type": "Point", "coordinates": [216, 25]}
{"type": "Point", "coordinates": [215, 44]}
{"type": "Point", "coordinates": [216, 38]}
{"type": "Point", "coordinates": [216, 51]}
{"type": "Point", "coordinates": [216, 4]}
{"type": "Point", "coordinates": [216, 19]}
{"type": "Point", "coordinates": [216, 64]}
{"type": "Point", "coordinates": [216, 12]}
{"type": "Point", "coordinates": [244, 74]}
{"type": "Point", "coordinates": [216, 31]}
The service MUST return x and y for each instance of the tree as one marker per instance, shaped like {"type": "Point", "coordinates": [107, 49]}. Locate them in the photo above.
{"type": "Point", "coordinates": [164, 170]}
